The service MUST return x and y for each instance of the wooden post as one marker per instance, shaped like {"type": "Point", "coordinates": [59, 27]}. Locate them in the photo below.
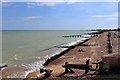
{"type": "Point", "coordinates": [66, 69]}
{"type": "Point", "coordinates": [109, 46]}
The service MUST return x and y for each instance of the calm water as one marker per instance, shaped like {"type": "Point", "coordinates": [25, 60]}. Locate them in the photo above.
{"type": "Point", "coordinates": [31, 48]}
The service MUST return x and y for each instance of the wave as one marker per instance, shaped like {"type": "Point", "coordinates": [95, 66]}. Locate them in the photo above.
{"type": "Point", "coordinates": [40, 64]}
{"type": "Point", "coordinates": [36, 65]}
{"type": "Point", "coordinates": [71, 45]}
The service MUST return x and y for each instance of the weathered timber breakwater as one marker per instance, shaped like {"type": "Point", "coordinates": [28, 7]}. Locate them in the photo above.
{"type": "Point", "coordinates": [69, 48]}
{"type": "Point", "coordinates": [41, 54]}
{"type": "Point", "coordinates": [62, 53]}
{"type": "Point", "coordinates": [93, 48]}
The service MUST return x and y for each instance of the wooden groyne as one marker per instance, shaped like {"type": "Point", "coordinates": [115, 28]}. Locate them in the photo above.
{"type": "Point", "coordinates": [95, 33]}
{"type": "Point", "coordinates": [66, 36]}
{"type": "Point", "coordinates": [62, 53]}
{"type": "Point", "coordinates": [78, 35]}
{"type": "Point", "coordinates": [49, 60]}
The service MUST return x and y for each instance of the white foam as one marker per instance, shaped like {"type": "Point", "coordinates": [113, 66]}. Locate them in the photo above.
{"type": "Point", "coordinates": [39, 64]}
{"type": "Point", "coordinates": [56, 53]}
{"type": "Point", "coordinates": [76, 42]}
{"type": "Point", "coordinates": [34, 66]}
{"type": "Point", "coordinates": [87, 36]}
{"type": "Point", "coordinates": [63, 49]}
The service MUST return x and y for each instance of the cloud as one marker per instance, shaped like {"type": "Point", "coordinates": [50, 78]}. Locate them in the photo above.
{"type": "Point", "coordinates": [61, 0]}
{"type": "Point", "coordinates": [73, 1]}
{"type": "Point", "coordinates": [32, 17]}
{"type": "Point", "coordinates": [57, 2]}
{"type": "Point", "coordinates": [98, 16]}
{"type": "Point", "coordinates": [4, 0]}
{"type": "Point", "coordinates": [32, 4]}
{"type": "Point", "coordinates": [51, 2]}
{"type": "Point", "coordinates": [113, 16]}
{"type": "Point", "coordinates": [105, 16]}
{"type": "Point", "coordinates": [46, 2]}
{"type": "Point", "coordinates": [5, 4]}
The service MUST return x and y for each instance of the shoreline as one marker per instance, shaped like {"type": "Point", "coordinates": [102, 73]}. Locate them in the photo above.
{"type": "Point", "coordinates": [49, 60]}
{"type": "Point", "coordinates": [94, 48]}
{"type": "Point", "coordinates": [55, 56]}
{"type": "Point", "coordinates": [57, 60]}
{"type": "Point", "coordinates": [52, 58]}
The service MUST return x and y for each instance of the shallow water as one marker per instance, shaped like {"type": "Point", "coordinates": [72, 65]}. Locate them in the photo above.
{"type": "Point", "coordinates": [31, 48]}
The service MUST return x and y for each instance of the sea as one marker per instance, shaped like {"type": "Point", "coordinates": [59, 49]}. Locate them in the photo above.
{"type": "Point", "coordinates": [31, 48]}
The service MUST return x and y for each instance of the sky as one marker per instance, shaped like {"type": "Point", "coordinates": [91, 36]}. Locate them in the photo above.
{"type": "Point", "coordinates": [59, 15]}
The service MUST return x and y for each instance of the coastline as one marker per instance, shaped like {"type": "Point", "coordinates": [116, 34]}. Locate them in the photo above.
{"type": "Point", "coordinates": [94, 48]}
{"type": "Point", "coordinates": [49, 60]}
{"type": "Point", "coordinates": [78, 43]}
{"type": "Point", "coordinates": [23, 68]}
{"type": "Point", "coordinates": [55, 57]}
{"type": "Point", "coordinates": [90, 46]}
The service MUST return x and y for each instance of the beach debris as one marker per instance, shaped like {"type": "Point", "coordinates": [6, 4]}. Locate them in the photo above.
{"type": "Point", "coordinates": [86, 67]}
{"type": "Point", "coordinates": [3, 66]}
{"type": "Point", "coordinates": [103, 66]}
{"type": "Point", "coordinates": [67, 70]}
{"type": "Point", "coordinates": [80, 50]}
{"type": "Point", "coordinates": [44, 73]}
